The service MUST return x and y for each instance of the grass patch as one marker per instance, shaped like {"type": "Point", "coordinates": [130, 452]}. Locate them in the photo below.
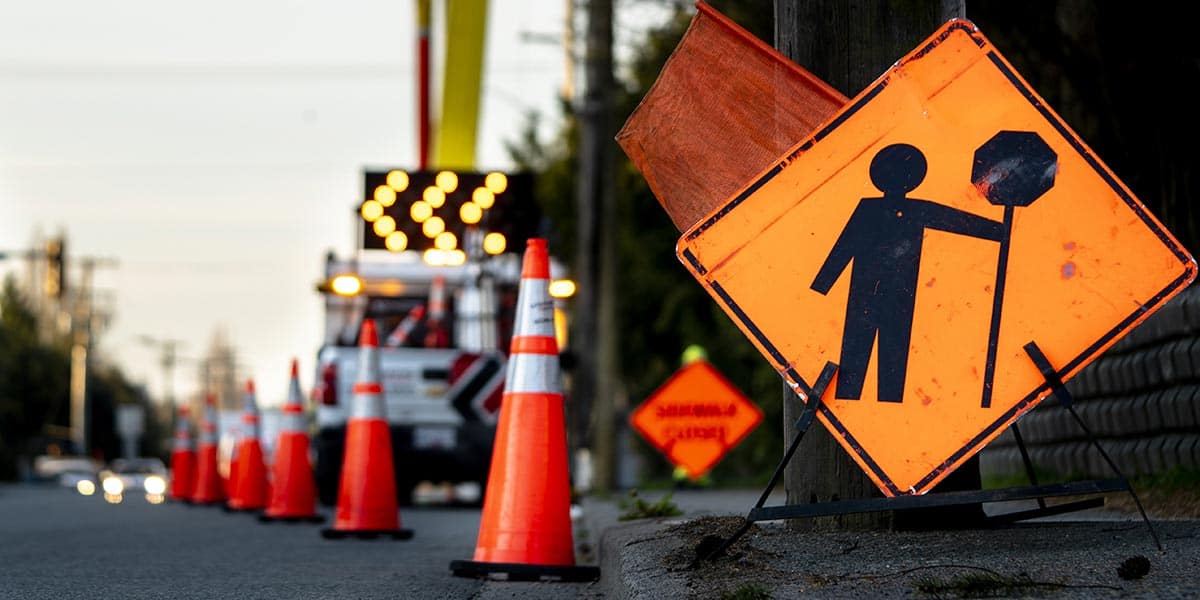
{"type": "Point", "coordinates": [986, 583]}
{"type": "Point", "coordinates": [636, 508]}
{"type": "Point", "coordinates": [975, 585]}
{"type": "Point", "coordinates": [1020, 479]}
{"type": "Point", "coordinates": [748, 591]}
{"type": "Point", "coordinates": [1175, 480]}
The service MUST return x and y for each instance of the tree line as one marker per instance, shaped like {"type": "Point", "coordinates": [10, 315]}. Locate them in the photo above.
{"type": "Point", "coordinates": [35, 377]}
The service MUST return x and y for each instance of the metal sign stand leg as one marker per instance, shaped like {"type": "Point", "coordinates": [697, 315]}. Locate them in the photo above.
{"type": "Point", "coordinates": [1066, 401]}
{"type": "Point", "coordinates": [1026, 461]}
{"type": "Point", "coordinates": [1033, 492]}
{"type": "Point", "coordinates": [802, 424]}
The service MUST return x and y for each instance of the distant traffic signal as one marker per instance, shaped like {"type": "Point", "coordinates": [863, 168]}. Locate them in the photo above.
{"type": "Point", "coordinates": [55, 283]}
{"type": "Point", "coordinates": [448, 215]}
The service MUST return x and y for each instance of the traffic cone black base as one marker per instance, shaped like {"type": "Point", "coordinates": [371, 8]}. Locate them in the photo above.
{"type": "Point", "coordinates": [523, 572]}
{"type": "Point", "coordinates": [366, 534]}
{"type": "Point", "coordinates": [309, 519]}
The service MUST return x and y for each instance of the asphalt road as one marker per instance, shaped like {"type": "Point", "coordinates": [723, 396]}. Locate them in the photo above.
{"type": "Point", "coordinates": [55, 543]}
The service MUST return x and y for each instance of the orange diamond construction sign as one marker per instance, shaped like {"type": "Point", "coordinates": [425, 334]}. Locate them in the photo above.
{"type": "Point", "coordinates": [696, 417]}
{"type": "Point", "coordinates": [929, 239]}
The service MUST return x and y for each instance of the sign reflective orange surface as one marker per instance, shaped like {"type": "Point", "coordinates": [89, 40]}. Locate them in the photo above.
{"type": "Point", "coordinates": [696, 417]}
{"type": "Point", "coordinates": [941, 221]}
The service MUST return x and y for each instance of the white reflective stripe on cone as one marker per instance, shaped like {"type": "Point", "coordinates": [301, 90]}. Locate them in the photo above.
{"type": "Point", "coordinates": [295, 396]}
{"type": "Point", "coordinates": [291, 421]}
{"type": "Point", "coordinates": [208, 434]}
{"type": "Point", "coordinates": [437, 299]}
{"type": "Point", "coordinates": [367, 406]}
{"type": "Point", "coordinates": [535, 308]}
{"type": "Point", "coordinates": [250, 427]}
{"type": "Point", "coordinates": [533, 373]}
{"type": "Point", "coordinates": [368, 364]}
{"type": "Point", "coordinates": [183, 434]}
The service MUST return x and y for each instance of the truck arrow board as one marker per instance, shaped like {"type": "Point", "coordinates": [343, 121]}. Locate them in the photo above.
{"type": "Point", "coordinates": [696, 417]}
{"type": "Point", "coordinates": [919, 239]}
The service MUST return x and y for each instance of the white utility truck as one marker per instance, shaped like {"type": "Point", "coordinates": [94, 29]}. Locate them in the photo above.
{"type": "Point", "coordinates": [442, 360]}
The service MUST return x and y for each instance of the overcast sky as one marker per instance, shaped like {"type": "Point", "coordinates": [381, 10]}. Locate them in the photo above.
{"type": "Point", "coordinates": [214, 149]}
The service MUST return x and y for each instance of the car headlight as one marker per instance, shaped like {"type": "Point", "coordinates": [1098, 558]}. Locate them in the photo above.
{"type": "Point", "coordinates": [113, 486]}
{"type": "Point", "coordinates": [155, 485]}
{"type": "Point", "coordinates": [86, 487]}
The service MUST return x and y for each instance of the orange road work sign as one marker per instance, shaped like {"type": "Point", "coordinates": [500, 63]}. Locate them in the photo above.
{"type": "Point", "coordinates": [696, 417]}
{"type": "Point", "coordinates": [920, 239]}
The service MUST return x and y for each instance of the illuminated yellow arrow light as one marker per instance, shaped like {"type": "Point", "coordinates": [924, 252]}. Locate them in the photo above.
{"type": "Point", "coordinates": [434, 195]}
{"type": "Point", "coordinates": [371, 210]}
{"type": "Point", "coordinates": [494, 243]}
{"type": "Point", "coordinates": [434, 257]}
{"type": "Point", "coordinates": [447, 181]}
{"type": "Point", "coordinates": [385, 195]}
{"type": "Point", "coordinates": [444, 258]}
{"type": "Point", "coordinates": [420, 211]}
{"type": "Point", "coordinates": [470, 213]}
{"type": "Point", "coordinates": [396, 241]}
{"type": "Point", "coordinates": [483, 197]}
{"type": "Point", "coordinates": [384, 225]}
{"type": "Point", "coordinates": [445, 241]}
{"type": "Point", "coordinates": [433, 226]}
{"type": "Point", "coordinates": [397, 180]}
{"type": "Point", "coordinates": [496, 182]}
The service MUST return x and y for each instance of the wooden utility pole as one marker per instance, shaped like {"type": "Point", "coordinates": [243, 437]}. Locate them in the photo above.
{"type": "Point", "coordinates": [595, 327]}
{"type": "Point", "coordinates": [849, 43]}
{"type": "Point", "coordinates": [81, 346]}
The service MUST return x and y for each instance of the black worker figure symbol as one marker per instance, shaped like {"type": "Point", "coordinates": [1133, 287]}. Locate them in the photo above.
{"type": "Point", "coordinates": [883, 240]}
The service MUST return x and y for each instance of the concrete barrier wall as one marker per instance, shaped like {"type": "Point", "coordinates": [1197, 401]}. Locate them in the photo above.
{"type": "Point", "coordinates": [1141, 399]}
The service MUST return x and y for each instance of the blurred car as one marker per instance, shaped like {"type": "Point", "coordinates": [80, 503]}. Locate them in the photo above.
{"type": "Point", "coordinates": [147, 475]}
{"type": "Point", "coordinates": [67, 471]}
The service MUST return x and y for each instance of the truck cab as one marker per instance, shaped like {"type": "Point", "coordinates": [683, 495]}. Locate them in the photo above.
{"type": "Point", "coordinates": [442, 355]}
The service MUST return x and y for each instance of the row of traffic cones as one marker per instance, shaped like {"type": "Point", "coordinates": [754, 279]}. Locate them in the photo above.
{"type": "Point", "coordinates": [525, 530]}
{"type": "Point", "coordinates": [195, 475]}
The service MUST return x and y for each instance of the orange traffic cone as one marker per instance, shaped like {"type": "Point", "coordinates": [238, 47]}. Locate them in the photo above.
{"type": "Point", "coordinates": [250, 475]}
{"type": "Point", "coordinates": [229, 483]}
{"type": "Point", "coordinates": [525, 531]}
{"type": "Point", "coordinates": [437, 336]}
{"type": "Point", "coordinates": [366, 504]}
{"type": "Point", "coordinates": [293, 489]}
{"type": "Point", "coordinates": [183, 457]}
{"type": "Point", "coordinates": [208, 488]}
{"type": "Point", "coordinates": [400, 334]}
